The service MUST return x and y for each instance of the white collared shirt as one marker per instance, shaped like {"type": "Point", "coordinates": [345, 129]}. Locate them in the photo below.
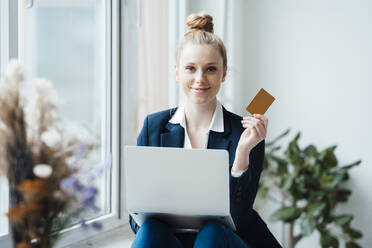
{"type": "Point", "coordinates": [216, 125]}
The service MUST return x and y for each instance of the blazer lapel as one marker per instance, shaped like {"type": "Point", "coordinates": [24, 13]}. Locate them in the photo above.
{"type": "Point", "coordinates": [174, 137]}
{"type": "Point", "coordinates": [221, 140]}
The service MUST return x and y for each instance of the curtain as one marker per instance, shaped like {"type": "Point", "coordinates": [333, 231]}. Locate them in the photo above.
{"type": "Point", "coordinates": [152, 91]}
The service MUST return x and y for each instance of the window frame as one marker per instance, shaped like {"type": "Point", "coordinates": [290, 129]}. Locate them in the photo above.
{"type": "Point", "coordinates": [120, 21]}
{"type": "Point", "coordinates": [8, 32]}
{"type": "Point", "coordinates": [8, 50]}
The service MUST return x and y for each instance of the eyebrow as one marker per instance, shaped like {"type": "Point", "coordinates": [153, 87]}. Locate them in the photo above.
{"type": "Point", "coordinates": [210, 63]}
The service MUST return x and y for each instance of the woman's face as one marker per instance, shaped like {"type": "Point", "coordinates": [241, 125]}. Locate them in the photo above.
{"type": "Point", "coordinates": [200, 72]}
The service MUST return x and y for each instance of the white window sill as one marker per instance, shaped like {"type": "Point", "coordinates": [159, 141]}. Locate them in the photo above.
{"type": "Point", "coordinates": [121, 237]}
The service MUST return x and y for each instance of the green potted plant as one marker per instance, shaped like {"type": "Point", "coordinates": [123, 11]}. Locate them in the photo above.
{"type": "Point", "coordinates": [311, 184]}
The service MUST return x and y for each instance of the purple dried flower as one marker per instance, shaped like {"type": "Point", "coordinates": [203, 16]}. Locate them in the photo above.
{"type": "Point", "coordinates": [87, 196]}
{"type": "Point", "coordinates": [97, 225]}
{"type": "Point", "coordinates": [72, 186]}
{"type": "Point", "coordinates": [84, 224]}
{"type": "Point", "coordinates": [66, 185]}
{"type": "Point", "coordinates": [82, 148]}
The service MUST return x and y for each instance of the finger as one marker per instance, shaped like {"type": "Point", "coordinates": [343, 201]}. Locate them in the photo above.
{"type": "Point", "coordinates": [263, 118]}
{"type": "Point", "coordinates": [261, 130]}
{"type": "Point", "coordinates": [255, 132]}
{"type": "Point", "coordinates": [248, 125]}
{"type": "Point", "coordinates": [255, 121]}
{"type": "Point", "coordinates": [253, 128]}
{"type": "Point", "coordinates": [260, 118]}
{"type": "Point", "coordinates": [258, 115]}
{"type": "Point", "coordinates": [248, 117]}
{"type": "Point", "coordinates": [259, 125]}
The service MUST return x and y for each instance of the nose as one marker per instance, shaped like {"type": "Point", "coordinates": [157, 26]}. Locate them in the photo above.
{"type": "Point", "coordinates": [200, 77]}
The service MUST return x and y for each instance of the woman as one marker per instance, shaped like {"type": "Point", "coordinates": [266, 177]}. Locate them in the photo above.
{"type": "Point", "coordinates": [202, 122]}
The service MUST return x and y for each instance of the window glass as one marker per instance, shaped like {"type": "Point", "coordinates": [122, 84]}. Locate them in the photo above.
{"type": "Point", "coordinates": [64, 41]}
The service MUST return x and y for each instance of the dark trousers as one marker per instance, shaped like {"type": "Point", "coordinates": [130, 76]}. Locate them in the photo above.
{"type": "Point", "coordinates": [154, 234]}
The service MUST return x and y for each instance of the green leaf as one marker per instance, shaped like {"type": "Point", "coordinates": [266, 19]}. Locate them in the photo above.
{"type": "Point", "coordinates": [278, 159]}
{"type": "Point", "coordinates": [307, 225]}
{"type": "Point", "coordinates": [298, 135]}
{"type": "Point", "coordinates": [342, 195]}
{"type": "Point", "coordinates": [263, 191]}
{"type": "Point", "coordinates": [287, 183]}
{"type": "Point", "coordinates": [286, 214]}
{"type": "Point", "coordinates": [282, 167]}
{"type": "Point", "coordinates": [352, 244]}
{"type": "Point", "coordinates": [343, 219]}
{"type": "Point", "coordinates": [327, 240]}
{"type": "Point", "coordinates": [310, 162]}
{"type": "Point", "coordinates": [311, 151]}
{"type": "Point", "coordinates": [325, 180]}
{"type": "Point", "coordinates": [315, 207]}
{"type": "Point", "coordinates": [352, 165]}
{"type": "Point", "coordinates": [275, 149]}
{"type": "Point", "coordinates": [329, 157]}
{"type": "Point", "coordinates": [293, 146]}
{"type": "Point", "coordinates": [355, 234]}
{"type": "Point", "coordinates": [337, 179]}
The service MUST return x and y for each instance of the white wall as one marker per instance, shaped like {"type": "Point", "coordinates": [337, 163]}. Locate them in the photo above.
{"type": "Point", "coordinates": [315, 57]}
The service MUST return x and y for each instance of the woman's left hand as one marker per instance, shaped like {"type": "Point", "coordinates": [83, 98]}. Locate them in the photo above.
{"type": "Point", "coordinates": [255, 131]}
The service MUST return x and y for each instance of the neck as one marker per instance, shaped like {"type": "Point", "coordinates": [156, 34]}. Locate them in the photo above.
{"type": "Point", "coordinates": [199, 116]}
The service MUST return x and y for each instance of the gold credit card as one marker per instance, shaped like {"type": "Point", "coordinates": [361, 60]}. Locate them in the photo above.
{"type": "Point", "coordinates": [260, 103]}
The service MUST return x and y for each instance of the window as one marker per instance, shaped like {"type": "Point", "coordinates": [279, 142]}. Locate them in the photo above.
{"type": "Point", "coordinates": [63, 41]}
{"type": "Point", "coordinates": [7, 50]}
{"type": "Point", "coordinates": [70, 42]}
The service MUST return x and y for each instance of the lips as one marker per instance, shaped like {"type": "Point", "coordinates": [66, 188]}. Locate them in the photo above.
{"type": "Point", "coordinates": [200, 90]}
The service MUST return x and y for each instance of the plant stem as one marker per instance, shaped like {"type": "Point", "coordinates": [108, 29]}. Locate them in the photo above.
{"type": "Point", "coordinates": [291, 242]}
{"type": "Point", "coordinates": [291, 238]}
{"type": "Point", "coordinates": [297, 238]}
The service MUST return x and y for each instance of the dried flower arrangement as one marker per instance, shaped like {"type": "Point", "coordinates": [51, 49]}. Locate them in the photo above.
{"type": "Point", "coordinates": [41, 163]}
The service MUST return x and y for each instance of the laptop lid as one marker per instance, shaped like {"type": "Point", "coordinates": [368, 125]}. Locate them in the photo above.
{"type": "Point", "coordinates": [175, 183]}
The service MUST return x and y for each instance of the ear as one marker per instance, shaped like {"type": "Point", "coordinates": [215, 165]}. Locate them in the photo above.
{"type": "Point", "coordinates": [224, 74]}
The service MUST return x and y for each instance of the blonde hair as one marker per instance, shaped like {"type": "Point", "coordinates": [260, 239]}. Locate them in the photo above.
{"type": "Point", "coordinates": [200, 31]}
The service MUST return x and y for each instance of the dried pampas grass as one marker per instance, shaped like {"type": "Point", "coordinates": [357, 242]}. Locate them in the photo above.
{"type": "Point", "coordinates": [32, 140]}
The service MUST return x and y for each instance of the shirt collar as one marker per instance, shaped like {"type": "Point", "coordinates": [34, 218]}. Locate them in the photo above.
{"type": "Point", "coordinates": [216, 124]}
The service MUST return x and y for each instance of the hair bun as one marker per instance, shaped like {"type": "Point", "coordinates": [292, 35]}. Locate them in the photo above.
{"type": "Point", "coordinates": [201, 21]}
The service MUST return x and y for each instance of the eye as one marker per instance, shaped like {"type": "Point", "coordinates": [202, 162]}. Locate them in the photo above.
{"type": "Point", "coordinates": [212, 68]}
{"type": "Point", "coordinates": [190, 68]}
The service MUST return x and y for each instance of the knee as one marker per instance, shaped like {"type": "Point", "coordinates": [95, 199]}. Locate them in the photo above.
{"type": "Point", "coordinates": [153, 224]}
{"type": "Point", "coordinates": [211, 235]}
{"type": "Point", "coordinates": [152, 231]}
{"type": "Point", "coordinates": [154, 234]}
{"type": "Point", "coordinates": [213, 228]}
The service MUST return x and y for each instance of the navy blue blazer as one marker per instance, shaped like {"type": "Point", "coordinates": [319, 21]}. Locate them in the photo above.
{"type": "Point", "coordinates": [157, 131]}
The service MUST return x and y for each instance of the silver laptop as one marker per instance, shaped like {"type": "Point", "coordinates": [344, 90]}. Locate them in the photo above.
{"type": "Point", "coordinates": [184, 188]}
